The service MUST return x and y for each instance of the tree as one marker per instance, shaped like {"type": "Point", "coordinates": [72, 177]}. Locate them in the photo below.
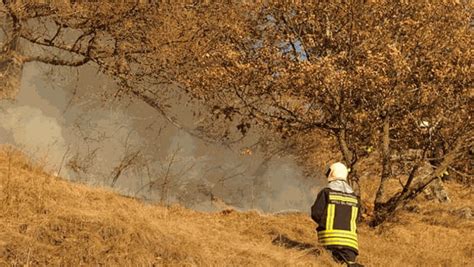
{"type": "Point", "coordinates": [366, 73]}
{"type": "Point", "coordinates": [137, 44]}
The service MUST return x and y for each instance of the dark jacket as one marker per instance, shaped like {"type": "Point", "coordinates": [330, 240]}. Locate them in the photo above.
{"type": "Point", "coordinates": [337, 214]}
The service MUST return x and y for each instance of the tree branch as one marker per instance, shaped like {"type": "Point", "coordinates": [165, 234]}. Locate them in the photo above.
{"type": "Point", "coordinates": [448, 159]}
{"type": "Point", "coordinates": [57, 61]}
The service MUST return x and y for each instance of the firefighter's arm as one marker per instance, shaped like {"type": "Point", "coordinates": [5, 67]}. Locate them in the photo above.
{"type": "Point", "coordinates": [319, 206]}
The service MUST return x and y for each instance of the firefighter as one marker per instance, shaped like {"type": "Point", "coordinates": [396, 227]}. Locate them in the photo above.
{"type": "Point", "coordinates": [336, 211]}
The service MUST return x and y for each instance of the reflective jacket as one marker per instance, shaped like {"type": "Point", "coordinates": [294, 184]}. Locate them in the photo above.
{"type": "Point", "coordinates": [336, 214]}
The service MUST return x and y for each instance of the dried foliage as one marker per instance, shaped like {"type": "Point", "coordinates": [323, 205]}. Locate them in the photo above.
{"type": "Point", "coordinates": [368, 73]}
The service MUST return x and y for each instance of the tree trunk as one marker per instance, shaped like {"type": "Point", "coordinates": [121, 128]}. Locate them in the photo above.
{"type": "Point", "coordinates": [387, 209]}
{"type": "Point", "coordinates": [11, 63]}
{"type": "Point", "coordinates": [346, 153]}
{"type": "Point", "coordinates": [386, 164]}
{"type": "Point", "coordinates": [353, 178]}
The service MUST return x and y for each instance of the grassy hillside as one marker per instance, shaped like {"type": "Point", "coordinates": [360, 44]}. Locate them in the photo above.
{"type": "Point", "coordinates": [45, 220]}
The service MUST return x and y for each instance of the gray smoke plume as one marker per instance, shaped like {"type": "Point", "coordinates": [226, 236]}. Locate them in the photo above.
{"type": "Point", "coordinates": [61, 118]}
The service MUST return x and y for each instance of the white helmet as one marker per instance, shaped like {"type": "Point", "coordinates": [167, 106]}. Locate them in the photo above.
{"type": "Point", "coordinates": [337, 171]}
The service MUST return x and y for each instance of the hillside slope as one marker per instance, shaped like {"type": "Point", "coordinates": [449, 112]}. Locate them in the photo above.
{"type": "Point", "coordinates": [48, 221]}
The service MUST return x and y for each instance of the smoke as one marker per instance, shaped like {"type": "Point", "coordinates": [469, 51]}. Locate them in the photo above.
{"type": "Point", "coordinates": [60, 117]}
{"type": "Point", "coordinates": [31, 130]}
{"type": "Point", "coordinates": [284, 189]}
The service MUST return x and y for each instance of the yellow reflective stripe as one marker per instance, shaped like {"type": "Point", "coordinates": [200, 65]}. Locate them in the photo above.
{"type": "Point", "coordinates": [353, 219]}
{"type": "Point", "coordinates": [342, 198]}
{"type": "Point", "coordinates": [335, 239]}
{"type": "Point", "coordinates": [351, 237]}
{"type": "Point", "coordinates": [338, 238]}
{"type": "Point", "coordinates": [338, 231]}
{"type": "Point", "coordinates": [333, 215]}
{"type": "Point", "coordinates": [333, 194]}
{"type": "Point", "coordinates": [330, 217]}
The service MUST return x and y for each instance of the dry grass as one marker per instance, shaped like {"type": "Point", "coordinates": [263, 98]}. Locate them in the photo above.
{"type": "Point", "coordinates": [424, 234]}
{"type": "Point", "coordinates": [47, 221]}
